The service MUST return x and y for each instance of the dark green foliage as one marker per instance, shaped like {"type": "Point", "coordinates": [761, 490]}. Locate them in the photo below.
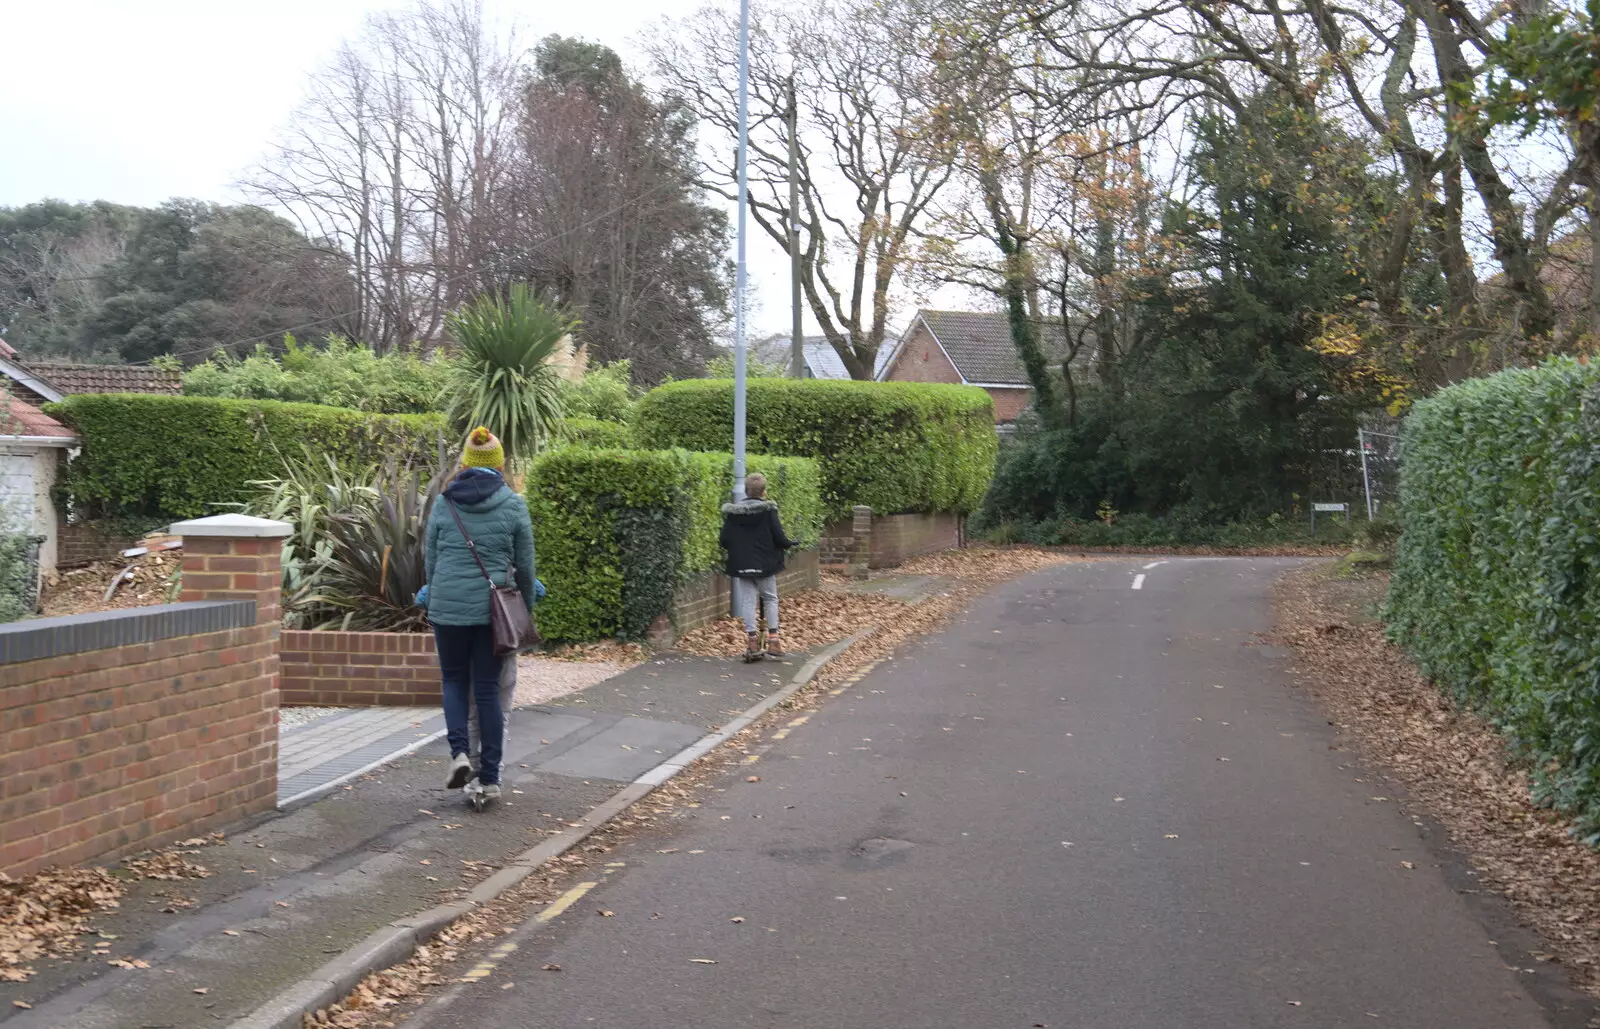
{"type": "Point", "coordinates": [1496, 588]}
{"type": "Point", "coordinates": [184, 457]}
{"type": "Point", "coordinates": [894, 446]}
{"type": "Point", "coordinates": [377, 560]}
{"type": "Point", "coordinates": [19, 575]}
{"type": "Point", "coordinates": [591, 432]}
{"type": "Point", "coordinates": [101, 280]}
{"type": "Point", "coordinates": [617, 531]}
{"type": "Point", "coordinates": [1137, 530]}
{"type": "Point", "coordinates": [1221, 410]}
{"type": "Point", "coordinates": [578, 498]}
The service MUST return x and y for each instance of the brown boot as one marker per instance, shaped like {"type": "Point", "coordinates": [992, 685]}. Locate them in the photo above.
{"type": "Point", "coordinates": [774, 645]}
{"type": "Point", "coordinates": [752, 648]}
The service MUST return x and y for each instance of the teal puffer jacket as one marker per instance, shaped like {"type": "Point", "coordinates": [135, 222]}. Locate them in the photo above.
{"type": "Point", "coordinates": [497, 519]}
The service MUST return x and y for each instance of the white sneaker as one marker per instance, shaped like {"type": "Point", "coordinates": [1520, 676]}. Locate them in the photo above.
{"type": "Point", "coordinates": [460, 772]}
{"type": "Point", "coordinates": [490, 791]}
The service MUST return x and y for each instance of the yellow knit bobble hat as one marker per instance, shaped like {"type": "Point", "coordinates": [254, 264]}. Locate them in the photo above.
{"type": "Point", "coordinates": [483, 450]}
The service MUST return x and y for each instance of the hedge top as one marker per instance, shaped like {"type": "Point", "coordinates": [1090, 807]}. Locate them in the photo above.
{"type": "Point", "coordinates": [895, 446]}
{"type": "Point", "coordinates": [168, 458]}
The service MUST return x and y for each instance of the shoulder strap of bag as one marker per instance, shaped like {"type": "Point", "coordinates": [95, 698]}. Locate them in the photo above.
{"type": "Point", "coordinates": [473, 547]}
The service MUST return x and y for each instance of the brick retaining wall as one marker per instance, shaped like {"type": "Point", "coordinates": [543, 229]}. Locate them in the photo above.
{"type": "Point", "coordinates": [87, 542]}
{"type": "Point", "coordinates": [707, 597]}
{"type": "Point", "coordinates": [359, 669]}
{"type": "Point", "coordinates": [128, 730]}
{"type": "Point", "coordinates": [897, 539]}
{"type": "Point", "coordinates": [866, 540]}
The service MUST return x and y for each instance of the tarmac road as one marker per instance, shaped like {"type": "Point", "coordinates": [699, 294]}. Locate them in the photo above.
{"type": "Point", "coordinates": [1094, 801]}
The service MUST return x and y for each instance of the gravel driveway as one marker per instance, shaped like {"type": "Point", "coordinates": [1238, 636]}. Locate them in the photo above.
{"type": "Point", "coordinates": [541, 679]}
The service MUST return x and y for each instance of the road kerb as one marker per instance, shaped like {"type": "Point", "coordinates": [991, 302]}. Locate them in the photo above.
{"type": "Point", "coordinates": [398, 940]}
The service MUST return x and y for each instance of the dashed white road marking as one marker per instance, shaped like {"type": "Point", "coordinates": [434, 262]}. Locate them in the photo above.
{"type": "Point", "coordinates": [1153, 564]}
{"type": "Point", "coordinates": [1138, 582]}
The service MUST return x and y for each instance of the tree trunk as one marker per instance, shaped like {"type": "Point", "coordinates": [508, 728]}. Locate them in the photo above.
{"type": "Point", "coordinates": [1014, 290]}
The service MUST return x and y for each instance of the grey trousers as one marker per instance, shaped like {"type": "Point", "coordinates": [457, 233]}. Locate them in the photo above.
{"type": "Point", "coordinates": [508, 696]}
{"type": "Point", "coordinates": [746, 594]}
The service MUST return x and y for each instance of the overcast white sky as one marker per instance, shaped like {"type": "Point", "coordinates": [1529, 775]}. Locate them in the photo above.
{"type": "Point", "coordinates": [138, 102]}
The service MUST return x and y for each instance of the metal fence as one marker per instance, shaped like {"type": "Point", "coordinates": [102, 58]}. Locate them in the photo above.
{"type": "Point", "coordinates": [1380, 469]}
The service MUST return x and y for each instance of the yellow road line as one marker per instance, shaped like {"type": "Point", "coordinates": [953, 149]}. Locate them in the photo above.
{"type": "Point", "coordinates": [566, 900]}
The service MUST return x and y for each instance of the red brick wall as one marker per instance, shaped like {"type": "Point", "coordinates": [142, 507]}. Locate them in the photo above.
{"type": "Point", "coordinates": [867, 541]}
{"type": "Point", "coordinates": [359, 669]}
{"type": "Point", "coordinates": [87, 543]}
{"type": "Point", "coordinates": [897, 539]}
{"type": "Point", "coordinates": [125, 731]}
{"type": "Point", "coordinates": [922, 360]}
{"type": "Point", "coordinates": [126, 748]}
{"type": "Point", "coordinates": [706, 598]}
{"type": "Point", "coordinates": [1009, 403]}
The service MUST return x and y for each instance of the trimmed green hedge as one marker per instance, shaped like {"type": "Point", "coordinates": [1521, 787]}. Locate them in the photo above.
{"type": "Point", "coordinates": [618, 530]}
{"type": "Point", "coordinates": [592, 432]}
{"type": "Point", "coordinates": [894, 446]}
{"type": "Point", "coordinates": [1496, 588]}
{"type": "Point", "coordinates": [177, 457]}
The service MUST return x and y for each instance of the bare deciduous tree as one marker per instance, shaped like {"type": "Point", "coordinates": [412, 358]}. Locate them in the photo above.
{"type": "Point", "coordinates": [870, 157]}
{"type": "Point", "coordinates": [394, 157]}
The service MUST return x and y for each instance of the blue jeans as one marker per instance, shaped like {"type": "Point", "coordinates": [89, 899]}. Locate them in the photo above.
{"type": "Point", "coordinates": [749, 593]}
{"type": "Point", "coordinates": [470, 672]}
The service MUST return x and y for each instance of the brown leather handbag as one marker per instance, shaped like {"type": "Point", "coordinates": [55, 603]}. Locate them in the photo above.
{"type": "Point", "coordinates": [509, 618]}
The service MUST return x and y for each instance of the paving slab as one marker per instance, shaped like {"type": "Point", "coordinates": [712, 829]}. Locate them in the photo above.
{"type": "Point", "coordinates": [627, 749]}
{"type": "Point", "coordinates": [718, 690]}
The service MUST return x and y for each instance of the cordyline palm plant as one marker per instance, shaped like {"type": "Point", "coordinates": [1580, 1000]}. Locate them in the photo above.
{"type": "Point", "coordinates": [507, 376]}
{"type": "Point", "coordinates": [355, 559]}
{"type": "Point", "coordinates": [312, 491]}
{"type": "Point", "coordinates": [377, 563]}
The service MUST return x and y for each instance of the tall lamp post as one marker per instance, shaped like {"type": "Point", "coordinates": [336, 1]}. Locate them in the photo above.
{"type": "Point", "coordinates": [739, 344]}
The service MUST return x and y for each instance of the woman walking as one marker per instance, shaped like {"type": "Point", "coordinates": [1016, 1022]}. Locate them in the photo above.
{"type": "Point", "coordinates": [479, 536]}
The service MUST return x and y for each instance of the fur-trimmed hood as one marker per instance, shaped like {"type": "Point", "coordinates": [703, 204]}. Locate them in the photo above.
{"type": "Point", "coordinates": [749, 507]}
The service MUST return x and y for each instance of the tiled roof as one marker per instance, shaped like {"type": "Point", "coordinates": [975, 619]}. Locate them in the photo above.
{"type": "Point", "coordinates": [824, 362]}
{"type": "Point", "coordinates": [979, 343]}
{"type": "Point", "coordinates": [22, 419]}
{"type": "Point", "coordinates": [72, 379]}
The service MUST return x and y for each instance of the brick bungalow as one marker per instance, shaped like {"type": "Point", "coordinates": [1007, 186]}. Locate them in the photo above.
{"type": "Point", "coordinates": [970, 348]}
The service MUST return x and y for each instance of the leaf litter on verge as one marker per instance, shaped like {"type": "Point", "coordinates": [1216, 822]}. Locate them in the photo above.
{"type": "Point", "coordinates": [1450, 761]}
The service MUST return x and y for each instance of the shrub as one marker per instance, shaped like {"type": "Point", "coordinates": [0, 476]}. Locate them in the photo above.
{"type": "Point", "coordinates": [616, 530]}
{"type": "Point", "coordinates": [1139, 530]}
{"type": "Point", "coordinates": [355, 558]}
{"type": "Point", "coordinates": [19, 574]}
{"type": "Point", "coordinates": [1203, 459]}
{"type": "Point", "coordinates": [895, 446]}
{"type": "Point", "coordinates": [592, 432]}
{"type": "Point", "coordinates": [604, 393]}
{"type": "Point", "coordinates": [180, 457]}
{"type": "Point", "coordinates": [1496, 588]}
{"type": "Point", "coordinates": [338, 374]}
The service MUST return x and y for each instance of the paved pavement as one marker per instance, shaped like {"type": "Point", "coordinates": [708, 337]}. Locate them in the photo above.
{"type": "Point", "coordinates": [1096, 802]}
{"type": "Point", "coordinates": [297, 887]}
